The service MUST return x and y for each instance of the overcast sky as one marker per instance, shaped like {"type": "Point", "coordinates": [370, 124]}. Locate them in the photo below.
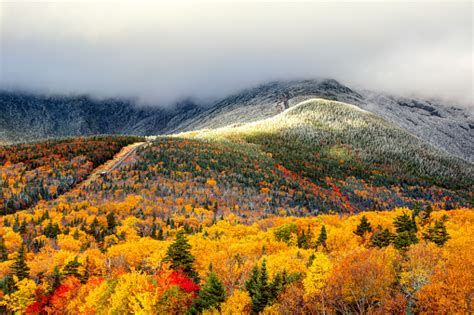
{"type": "Point", "coordinates": [161, 52]}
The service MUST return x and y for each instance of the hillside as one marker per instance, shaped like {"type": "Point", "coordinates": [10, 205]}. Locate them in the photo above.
{"type": "Point", "coordinates": [56, 116]}
{"type": "Point", "coordinates": [323, 208]}
{"type": "Point", "coordinates": [234, 213]}
{"type": "Point", "coordinates": [34, 172]}
{"type": "Point", "coordinates": [446, 126]}
{"type": "Point", "coordinates": [319, 138]}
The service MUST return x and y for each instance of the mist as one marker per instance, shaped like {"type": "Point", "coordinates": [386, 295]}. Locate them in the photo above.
{"type": "Point", "coordinates": [163, 52]}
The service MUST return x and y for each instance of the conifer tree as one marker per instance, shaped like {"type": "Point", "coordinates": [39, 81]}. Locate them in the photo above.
{"type": "Point", "coordinates": [404, 223]}
{"type": "Point", "coordinates": [263, 294]}
{"type": "Point", "coordinates": [55, 279]}
{"type": "Point", "coordinates": [322, 236]}
{"type": "Point", "coordinates": [426, 215]}
{"type": "Point", "coordinates": [180, 257]}
{"type": "Point", "coordinates": [211, 295]}
{"type": "Point", "coordinates": [51, 230]}
{"type": "Point", "coordinates": [437, 234]}
{"type": "Point", "coordinates": [302, 240]}
{"type": "Point", "coordinates": [7, 285]}
{"type": "Point", "coordinates": [160, 236]}
{"type": "Point", "coordinates": [260, 290]}
{"type": "Point", "coordinates": [406, 231]}
{"type": "Point", "coordinates": [16, 224]}
{"type": "Point", "coordinates": [363, 227]}
{"type": "Point", "coordinates": [72, 269]}
{"type": "Point", "coordinates": [3, 250]}
{"type": "Point", "coordinates": [19, 267]}
{"type": "Point", "coordinates": [276, 287]}
{"type": "Point", "coordinates": [22, 228]}
{"type": "Point", "coordinates": [111, 222]}
{"type": "Point", "coordinates": [381, 237]}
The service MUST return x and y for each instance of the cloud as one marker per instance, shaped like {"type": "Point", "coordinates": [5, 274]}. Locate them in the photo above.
{"type": "Point", "coordinates": [160, 52]}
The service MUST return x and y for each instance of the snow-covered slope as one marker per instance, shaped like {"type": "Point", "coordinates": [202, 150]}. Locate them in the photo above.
{"type": "Point", "coordinates": [26, 117]}
{"type": "Point", "coordinates": [448, 127]}
{"type": "Point", "coordinates": [320, 125]}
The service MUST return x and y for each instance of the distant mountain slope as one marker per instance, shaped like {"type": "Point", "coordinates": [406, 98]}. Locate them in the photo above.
{"type": "Point", "coordinates": [447, 127]}
{"type": "Point", "coordinates": [319, 137]}
{"type": "Point", "coordinates": [25, 117]}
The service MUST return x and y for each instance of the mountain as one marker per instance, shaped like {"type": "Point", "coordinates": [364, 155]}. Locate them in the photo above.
{"type": "Point", "coordinates": [319, 138]}
{"type": "Point", "coordinates": [446, 126]}
{"type": "Point", "coordinates": [324, 201]}
{"type": "Point", "coordinates": [26, 117]}
{"type": "Point", "coordinates": [314, 157]}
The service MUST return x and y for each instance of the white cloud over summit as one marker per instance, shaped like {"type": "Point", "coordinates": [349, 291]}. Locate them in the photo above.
{"type": "Point", "coordinates": [161, 52]}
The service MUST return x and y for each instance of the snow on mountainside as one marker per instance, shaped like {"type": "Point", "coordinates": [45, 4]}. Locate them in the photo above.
{"type": "Point", "coordinates": [318, 125]}
{"type": "Point", "coordinates": [448, 127]}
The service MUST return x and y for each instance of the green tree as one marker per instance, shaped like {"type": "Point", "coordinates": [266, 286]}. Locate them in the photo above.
{"type": "Point", "coordinates": [437, 233]}
{"type": "Point", "coordinates": [405, 223]}
{"type": "Point", "coordinates": [302, 240]}
{"type": "Point", "coordinates": [406, 231]}
{"type": "Point", "coordinates": [7, 285]}
{"type": "Point", "coordinates": [260, 290]}
{"type": "Point", "coordinates": [381, 237]}
{"type": "Point", "coordinates": [283, 233]}
{"type": "Point", "coordinates": [111, 222]}
{"type": "Point", "coordinates": [180, 257]}
{"type": "Point", "coordinates": [426, 215]}
{"type": "Point", "coordinates": [211, 295]}
{"type": "Point", "coordinates": [404, 239]}
{"type": "Point", "coordinates": [3, 250]}
{"type": "Point", "coordinates": [19, 267]}
{"type": "Point", "coordinates": [72, 269]}
{"type": "Point", "coordinates": [363, 227]}
{"type": "Point", "coordinates": [55, 279]}
{"type": "Point", "coordinates": [322, 236]}
{"type": "Point", "coordinates": [51, 230]}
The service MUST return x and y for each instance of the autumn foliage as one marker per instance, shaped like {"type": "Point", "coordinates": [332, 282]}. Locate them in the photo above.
{"type": "Point", "coordinates": [187, 226]}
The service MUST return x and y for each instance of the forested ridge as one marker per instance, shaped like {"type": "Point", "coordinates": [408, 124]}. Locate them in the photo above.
{"type": "Point", "coordinates": [196, 226]}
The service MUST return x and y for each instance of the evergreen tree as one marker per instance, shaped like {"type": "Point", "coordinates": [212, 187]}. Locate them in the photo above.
{"type": "Point", "coordinates": [263, 294]}
{"type": "Point", "coordinates": [7, 285]}
{"type": "Point", "coordinates": [311, 258]}
{"type": "Point", "coordinates": [309, 236]}
{"type": "Point", "coordinates": [87, 271]}
{"type": "Point", "coordinates": [426, 215]}
{"type": "Point", "coordinates": [16, 224]}
{"type": "Point", "coordinates": [211, 295]}
{"type": "Point", "coordinates": [363, 227]}
{"type": "Point", "coordinates": [381, 237]}
{"type": "Point", "coordinates": [260, 290]}
{"type": "Point", "coordinates": [404, 239]}
{"type": "Point", "coordinates": [55, 279]}
{"type": "Point", "coordinates": [72, 269]}
{"type": "Point", "coordinates": [416, 209]}
{"type": "Point", "coordinates": [19, 267]}
{"type": "Point", "coordinates": [22, 228]}
{"type": "Point", "coordinates": [404, 223]}
{"type": "Point", "coordinates": [51, 230]}
{"type": "Point", "coordinates": [437, 234]}
{"type": "Point", "coordinates": [406, 231]}
{"type": "Point", "coordinates": [276, 286]}
{"type": "Point", "coordinates": [180, 257]}
{"type": "Point", "coordinates": [3, 250]}
{"type": "Point", "coordinates": [111, 222]}
{"type": "Point", "coordinates": [322, 236]}
{"type": "Point", "coordinates": [160, 236]}
{"type": "Point", "coordinates": [302, 240]}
